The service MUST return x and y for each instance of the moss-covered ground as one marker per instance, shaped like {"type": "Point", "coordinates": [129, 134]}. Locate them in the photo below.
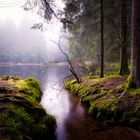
{"type": "Point", "coordinates": [104, 100]}
{"type": "Point", "coordinates": [21, 115]}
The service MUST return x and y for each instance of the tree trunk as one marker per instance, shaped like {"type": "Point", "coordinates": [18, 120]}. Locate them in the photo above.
{"type": "Point", "coordinates": [123, 35]}
{"type": "Point", "coordinates": [135, 51]}
{"type": "Point", "coordinates": [102, 40]}
{"type": "Point", "coordinates": [124, 60]}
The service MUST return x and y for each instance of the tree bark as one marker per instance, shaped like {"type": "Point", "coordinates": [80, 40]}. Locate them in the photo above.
{"type": "Point", "coordinates": [135, 51]}
{"type": "Point", "coordinates": [123, 38]}
{"type": "Point", "coordinates": [102, 40]}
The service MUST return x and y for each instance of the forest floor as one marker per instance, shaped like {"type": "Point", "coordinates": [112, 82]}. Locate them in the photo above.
{"type": "Point", "coordinates": [21, 115]}
{"type": "Point", "coordinates": [107, 101]}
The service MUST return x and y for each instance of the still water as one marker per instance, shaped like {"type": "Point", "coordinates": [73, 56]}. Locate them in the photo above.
{"type": "Point", "coordinates": [73, 121]}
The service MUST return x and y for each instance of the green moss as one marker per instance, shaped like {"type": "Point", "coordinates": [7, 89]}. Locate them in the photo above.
{"type": "Point", "coordinates": [118, 89]}
{"type": "Point", "coordinates": [69, 83]}
{"type": "Point", "coordinates": [18, 124]}
{"type": "Point", "coordinates": [21, 115]}
{"type": "Point", "coordinates": [15, 122]}
{"type": "Point", "coordinates": [134, 91]}
{"type": "Point", "coordinates": [105, 104]}
{"type": "Point", "coordinates": [33, 83]}
{"type": "Point", "coordinates": [129, 83]}
{"type": "Point", "coordinates": [93, 96]}
{"type": "Point", "coordinates": [74, 87]}
{"type": "Point", "coordinates": [129, 87]}
{"type": "Point", "coordinates": [31, 88]}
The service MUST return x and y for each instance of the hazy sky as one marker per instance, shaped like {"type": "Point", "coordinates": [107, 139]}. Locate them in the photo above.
{"type": "Point", "coordinates": [15, 24]}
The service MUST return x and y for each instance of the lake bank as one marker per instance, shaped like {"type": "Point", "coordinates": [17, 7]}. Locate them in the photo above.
{"type": "Point", "coordinates": [22, 117]}
{"type": "Point", "coordinates": [100, 96]}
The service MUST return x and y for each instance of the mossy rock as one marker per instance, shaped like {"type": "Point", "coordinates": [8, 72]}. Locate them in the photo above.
{"type": "Point", "coordinates": [17, 123]}
{"type": "Point", "coordinates": [29, 87]}
{"type": "Point", "coordinates": [22, 117]}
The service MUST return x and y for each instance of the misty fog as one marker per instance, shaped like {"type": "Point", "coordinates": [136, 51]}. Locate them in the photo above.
{"type": "Point", "coordinates": [21, 44]}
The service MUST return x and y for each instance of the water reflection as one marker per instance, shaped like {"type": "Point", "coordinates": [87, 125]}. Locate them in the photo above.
{"type": "Point", "coordinates": [55, 98]}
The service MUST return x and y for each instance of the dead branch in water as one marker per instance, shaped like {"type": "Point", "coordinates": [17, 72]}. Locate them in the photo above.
{"type": "Point", "coordinates": [68, 60]}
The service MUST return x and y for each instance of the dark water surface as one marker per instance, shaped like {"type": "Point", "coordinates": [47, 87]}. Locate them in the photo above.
{"type": "Point", "coordinates": [73, 121]}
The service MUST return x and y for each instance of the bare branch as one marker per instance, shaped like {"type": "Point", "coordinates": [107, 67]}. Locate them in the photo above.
{"type": "Point", "coordinates": [68, 60]}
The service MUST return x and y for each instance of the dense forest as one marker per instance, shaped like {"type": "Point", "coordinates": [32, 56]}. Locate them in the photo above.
{"type": "Point", "coordinates": [100, 54]}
